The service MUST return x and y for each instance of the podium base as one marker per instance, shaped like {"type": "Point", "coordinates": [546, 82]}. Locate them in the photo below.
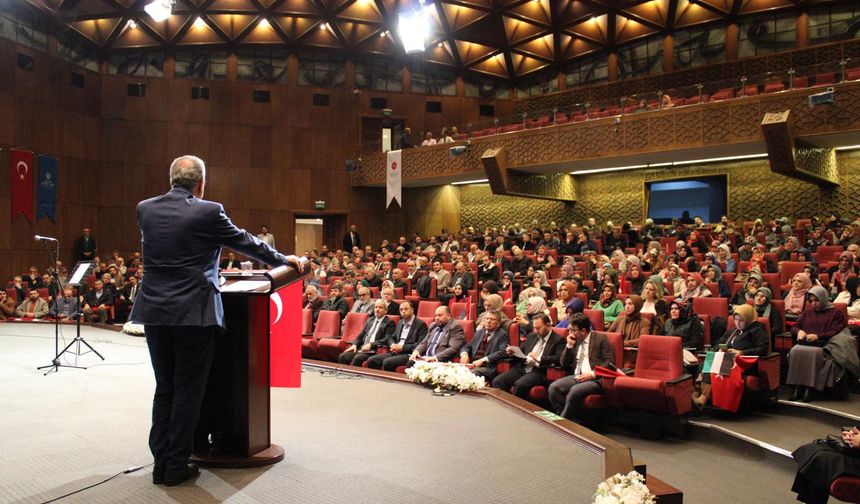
{"type": "Point", "coordinates": [271, 455]}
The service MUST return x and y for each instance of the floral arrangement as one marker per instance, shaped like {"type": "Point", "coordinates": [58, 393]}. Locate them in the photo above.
{"type": "Point", "coordinates": [132, 328]}
{"type": "Point", "coordinates": [447, 376]}
{"type": "Point", "coordinates": [620, 489]}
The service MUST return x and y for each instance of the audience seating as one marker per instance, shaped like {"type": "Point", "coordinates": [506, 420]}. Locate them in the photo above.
{"type": "Point", "coordinates": [328, 348]}
{"type": "Point", "coordinates": [658, 384]}
{"type": "Point", "coordinates": [596, 318]}
{"type": "Point", "coordinates": [307, 322]}
{"type": "Point", "coordinates": [846, 488]}
{"type": "Point", "coordinates": [328, 326]}
{"type": "Point", "coordinates": [427, 309]}
{"type": "Point", "coordinates": [715, 307]}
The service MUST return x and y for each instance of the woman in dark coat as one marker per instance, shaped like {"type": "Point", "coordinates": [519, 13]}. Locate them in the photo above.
{"type": "Point", "coordinates": [686, 324]}
{"type": "Point", "coordinates": [818, 464]}
{"type": "Point", "coordinates": [808, 368]}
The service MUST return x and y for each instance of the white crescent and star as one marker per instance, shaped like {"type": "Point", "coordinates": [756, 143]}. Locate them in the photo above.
{"type": "Point", "coordinates": [279, 305]}
{"type": "Point", "coordinates": [18, 169]}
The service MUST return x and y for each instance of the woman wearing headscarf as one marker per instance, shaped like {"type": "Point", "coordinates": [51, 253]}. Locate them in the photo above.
{"type": "Point", "coordinates": [747, 337]}
{"type": "Point", "coordinates": [747, 294]}
{"type": "Point", "coordinates": [632, 325]}
{"type": "Point", "coordinates": [724, 254]}
{"type": "Point", "coordinates": [795, 298]}
{"type": "Point", "coordinates": [567, 272]}
{"type": "Point", "coordinates": [694, 288]}
{"type": "Point", "coordinates": [851, 297]}
{"type": "Point", "coordinates": [634, 279]}
{"type": "Point", "coordinates": [610, 305]}
{"type": "Point", "coordinates": [575, 305]}
{"type": "Point", "coordinates": [682, 322]}
{"type": "Point", "coordinates": [672, 276]}
{"type": "Point", "coordinates": [565, 292]}
{"type": "Point", "coordinates": [509, 285]}
{"type": "Point", "coordinates": [764, 309]}
{"type": "Point", "coordinates": [525, 296]}
{"type": "Point", "coordinates": [808, 367]}
{"type": "Point", "coordinates": [492, 303]}
{"type": "Point", "coordinates": [654, 304]}
{"type": "Point", "coordinates": [539, 281]}
{"type": "Point", "coordinates": [534, 305]}
{"type": "Point", "coordinates": [713, 274]}
{"type": "Point", "coordinates": [840, 273]}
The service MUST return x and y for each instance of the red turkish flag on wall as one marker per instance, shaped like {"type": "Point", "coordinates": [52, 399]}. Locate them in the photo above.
{"type": "Point", "coordinates": [22, 185]}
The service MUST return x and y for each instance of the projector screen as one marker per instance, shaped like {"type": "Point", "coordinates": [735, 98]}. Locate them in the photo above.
{"type": "Point", "coordinates": [704, 197]}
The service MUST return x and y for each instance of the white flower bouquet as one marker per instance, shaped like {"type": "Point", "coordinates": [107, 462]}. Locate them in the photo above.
{"type": "Point", "coordinates": [619, 489]}
{"type": "Point", "coordinates": [445, 375]}
{"type": "Point", "coordinates": [132, 328]}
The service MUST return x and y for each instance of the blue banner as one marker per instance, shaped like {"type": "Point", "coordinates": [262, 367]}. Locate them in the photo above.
{"type": "Point", "coordinates": [47, 200]}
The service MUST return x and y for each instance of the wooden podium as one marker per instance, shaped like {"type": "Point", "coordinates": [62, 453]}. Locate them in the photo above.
{"type": "Point", "coordinates": [234, 425]}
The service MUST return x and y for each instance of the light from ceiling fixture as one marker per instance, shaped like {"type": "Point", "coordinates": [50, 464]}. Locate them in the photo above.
{"type": "Point", "coordinates": [412, 29]}
{"type": "Point", "coordinates": [264, 24]}
{"type": "Point", "coordinates": [440, 44]}
{"type": "Point", "coordinates": [382, 35]}
{"type": "Point", "coordinates": [199, 23]}
{"type": "Point", "coordinates": [672, 163]}
{"type": "Point", "coordinates": [131, 24]}
{"type": "Point", "coordinates": [159, 10]}
{"type": "Point", "coordinates": [847, 147]}
{"type": "Point", "coordinates": [467, 182]}
{"type": "Point", "coordinates": [324, 26]}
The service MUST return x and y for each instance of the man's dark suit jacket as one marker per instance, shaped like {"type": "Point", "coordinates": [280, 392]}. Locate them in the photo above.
{"type": "Point", "coordinates": [600, 352]}
{"type": "Point", "coordinates": [347, 242]}
{"type": "Point", "coordinates": [495, 350]}
{"type": "Point", "coordinates": [383, 333]}
{"type": "Point", "coordinates": [106, 298]}
{"type": "Point", "coordinates": [449, 343]}
{"type": "Point", "coordinates": [181, 239]}
{"type": "Point", "coordinates": [337, 304]}
{"type": "Point", "coordinates": [551, 352]}
{"type": "Point", "coordinates": [82, 245]}
{"type": "Point", "coordinates": [417, 332]}
{"type": "Point", "coordinates": [393, 308]}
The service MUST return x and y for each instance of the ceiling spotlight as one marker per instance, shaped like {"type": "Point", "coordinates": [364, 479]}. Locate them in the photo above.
{"type": "Point", "coordinates": [159, 10]}
{"type": "Point", "coordinates": [131, 24]}
{"type": "Point", "coordinates": [324, 26]}
{"type": "Point", "coordinates": [440, 44]}
{"type": "Point", "coordinates": [264, 24]}
{"type": "Point", "coordinates": [412, 28]}
{"type": "Point", "coordinates": [199, 23]}
{"type": "Point", "coordinates": [382, 35]}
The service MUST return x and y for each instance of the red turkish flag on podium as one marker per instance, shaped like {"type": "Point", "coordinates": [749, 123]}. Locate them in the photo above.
{"type": "Point", "coordinates": [22, 185]}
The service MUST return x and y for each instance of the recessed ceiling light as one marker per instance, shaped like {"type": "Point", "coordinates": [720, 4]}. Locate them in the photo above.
{"type": "Point", "coordinates": [131, 24]}
{"type": "Point", "coordinates": [382, 35]}
{"type": "Point", "coordinates": [199, 23]}
{"type": "Point", "coordinates": [264, 23]}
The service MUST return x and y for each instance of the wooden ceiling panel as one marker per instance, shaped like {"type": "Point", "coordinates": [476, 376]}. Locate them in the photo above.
{"type": "Point", "coordinates": [656, 11]}
{"type": "Point", "coordinates": [537, 11]}
{"type": "Point", "coordinates": [517, 30]}
{"type": "Point", "coordinates": [201, 33]}
{"type": "Point", "coordinates": [574, 12]}
{"type": "Point", "coordinates": [494, 65]}
{"type": "Point", "coordinates": [134, 37]}
{"type": "Point", "coordinates": [357, 33]}
{"type": "Point", "coordinates": [440, 53]}
{"type": "Point", "coordinates": [542, 47]}
{"type": "Point", "coordinates": [363, 10]}
{"type": "Point", "coordinates": [524, 64]}
{"type": "Point", "coordinates": [689, 13]}
{"type": "Point", "coordinates": [629, 29]}
{"type": "Point", "coordinates": [232, 24]}
{"type": "Point", "coordinates": [232, 6]}
{"type": "Point", "coordinates": [459, 17]}
{"type": "Point", "coordinates": [593, 29]}
{"type": "Point", "coordinates": [298, 7]}
{"type": "Point", "coordinates": [471, 51]}
{"type": "Point", "coordinates": [296, 27]}
{"type": "Point", "coordinates": [323, 38]}
{"type": "Point", "coordinates": [97, 30]}
{"type": "Point", "coordinates": [750, 6]}
{"type": "Point", "coordinates": [572, 47]}
{"type": "Point", "coordinates": [723, 5]}
{"type": "Point", "coordinates": [263, 33]}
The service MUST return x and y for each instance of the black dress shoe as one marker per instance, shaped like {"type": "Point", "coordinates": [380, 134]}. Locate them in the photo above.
{"type": "Point", "coordinates": [807, 394]}
{"type": "Point", "coordinates": [177, 476]}
{"type": "Point", "coordinates": [796, 393]}
{"type": "Point", "coordinates": [158, 475]}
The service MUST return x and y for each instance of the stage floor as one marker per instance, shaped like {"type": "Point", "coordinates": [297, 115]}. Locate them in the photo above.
{"type": "Point", "coordinates": [346, 440]}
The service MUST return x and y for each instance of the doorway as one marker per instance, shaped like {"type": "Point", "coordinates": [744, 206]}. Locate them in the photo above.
{"type": "Point", "coordinates": [309, 234]}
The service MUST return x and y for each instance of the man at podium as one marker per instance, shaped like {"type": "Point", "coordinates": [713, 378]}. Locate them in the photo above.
{"type": "Point", "coordinates": [180, 305]}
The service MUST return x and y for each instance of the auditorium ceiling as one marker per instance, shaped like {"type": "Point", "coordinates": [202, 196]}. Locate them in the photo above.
{"type": "Point", "coordinates": [509, 39]}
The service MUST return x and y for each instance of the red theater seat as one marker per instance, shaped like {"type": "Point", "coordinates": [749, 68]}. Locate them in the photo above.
{"type": "Point", "coordinates": [328, 326]}
{"type": "Point", "coordinates": [658, 384]}
{"type": "Point", "coordinates": [596, 318]}
{"type": "Point", "coordinates": [846, 489]}
{"type": "Point", "coordinates": [715, 307]}
{"type": "Point", "coordinates": [773, 87]}
{"type": "Point", "coordinates": [598, 401]}
{"type": "Point", "coordinates": [307, 322]}
{"type": "Point", "coordinates": [329, 348]}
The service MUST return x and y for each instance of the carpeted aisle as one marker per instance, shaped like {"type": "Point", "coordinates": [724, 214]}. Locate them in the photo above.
{"type": "Point", "coordinates": [346, 440]}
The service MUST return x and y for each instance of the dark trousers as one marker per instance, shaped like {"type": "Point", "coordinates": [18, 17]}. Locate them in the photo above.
{"type": "Point", "coordinates": [388, 362]}
{"type": "Point", "coordinates": [353, 358]}
{"type": "Point", "coordinates": [566, 395]}
{"type": "Point", "coordinates": [521, 381]}
{"type": "Point", "coordinates": [181, 357]}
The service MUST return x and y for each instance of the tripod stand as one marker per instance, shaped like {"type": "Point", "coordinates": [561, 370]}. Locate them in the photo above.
{"type": "Point", "coordinates": [80, 272]}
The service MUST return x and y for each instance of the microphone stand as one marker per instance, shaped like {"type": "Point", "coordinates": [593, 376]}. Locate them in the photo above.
{"type": "Point", "coordinates": [55, 364]}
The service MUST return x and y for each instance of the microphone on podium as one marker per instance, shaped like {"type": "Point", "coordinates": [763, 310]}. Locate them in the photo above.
{"type": "Point", "coordinates": [45, 238]}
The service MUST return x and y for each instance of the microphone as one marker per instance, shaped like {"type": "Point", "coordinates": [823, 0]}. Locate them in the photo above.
{"type": "Point", "coordinates": [46, 238]}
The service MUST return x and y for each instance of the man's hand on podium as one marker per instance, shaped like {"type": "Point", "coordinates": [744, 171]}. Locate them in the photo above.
{"type": "Point", "coordinates": [298, 262]}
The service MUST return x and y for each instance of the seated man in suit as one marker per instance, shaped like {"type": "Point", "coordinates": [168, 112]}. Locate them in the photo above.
{"type": "Point", "coordinates": [443, 278]}
{"type": "Point", "coordinates": [231, 263]}
{"type": "Point", "coordinates": [370, 279]}
{"type": "Point", "coordinates": [66, 306]}
{"type": "Point", "coordinates": [409, 332]}
{"type": "Point", "coordinates": [444, 339]}
{"type": "Point", "coordinates": [584, 351]}
{"type": "Point", "coordinates": [97, 302]}
{"type": "Point", "coordinates": [377, 330]}
{"type": "Point", "coordinates": [391, 306]}
{"type": "Point", "coordinates": [33, 307]}
{"type": "Point", "coordinates": [542, 348]}
{"type": "Point", "coordinates": [462, 276]}
{"type": "Point", "coordinates": [335, 302]}
{"type": "Point", "coordinates": [397, 280]}
{"type": "Point", "coordinates": [487, 348]}
{"type": "Point", "coordinates": [363, 303]}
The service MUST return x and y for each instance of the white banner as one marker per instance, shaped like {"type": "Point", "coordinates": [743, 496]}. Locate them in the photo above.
{"type": "Point", "coordinates": [393, 169]}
